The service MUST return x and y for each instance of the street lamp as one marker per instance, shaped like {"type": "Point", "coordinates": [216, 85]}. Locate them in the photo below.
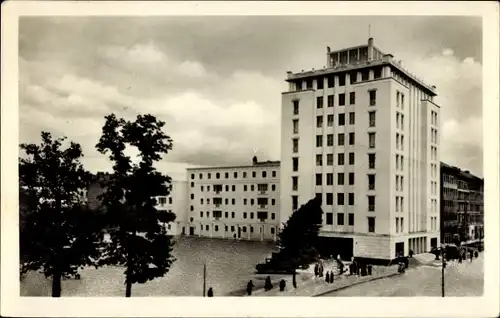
{"type": "Point", "coordinates": [443, 265]}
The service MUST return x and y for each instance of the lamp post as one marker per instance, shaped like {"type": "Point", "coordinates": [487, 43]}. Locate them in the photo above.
{"type": "Point", "coordinates": [204, 278]}
{"type": "Point", "coordinates": [443, 265]}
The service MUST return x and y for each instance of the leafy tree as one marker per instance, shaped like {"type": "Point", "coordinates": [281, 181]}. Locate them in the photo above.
{"type": "Point", "coordinates": [57, 233]}
{"type": "Point", "coordinates": [139, 240]}
{"type": "Point", "coordinates": [298, 238]}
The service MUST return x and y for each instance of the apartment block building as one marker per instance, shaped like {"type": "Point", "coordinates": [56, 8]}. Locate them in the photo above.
{"type": "Point", "coordinates": [363, 135]}
{"type": "Point", "coordinates": [461, 206]}
{"type": "Point", "coordinates": [235, 202]}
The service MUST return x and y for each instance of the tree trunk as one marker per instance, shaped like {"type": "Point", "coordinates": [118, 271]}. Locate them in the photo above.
{"type": "Point", "coordinates": [294, 280]}
{"type": "Point", "coordinates": [56, 284]}
{"type": "Point", "coordinates": [128, 290]}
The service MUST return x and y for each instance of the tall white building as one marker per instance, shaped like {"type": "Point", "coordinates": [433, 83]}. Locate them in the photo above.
{"type": "Point", "coordinates": [236, 202]}
{"type": "Point", "coordinates": [363, 134]}
{"type": "Point", "coordinates": [176, 202]}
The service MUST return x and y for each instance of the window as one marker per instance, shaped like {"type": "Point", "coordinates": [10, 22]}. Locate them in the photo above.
{"type": "Point", "coordinates": [340, 178]}
{"type": "Point", "coordinates": [192, 196]}
{"type": "Point", "coordinates": [295, 126]}
{"type": "Point", "coordinates": [319, 197]}
{"type": "Point", "coordinates": [340, 199]}
{"type": "Point", "coordinates": [320, 82]}
{"type": "Point", "coordinates": [245, 174]}
{"type": "Point", "coordinates": [254, 174]}
{"type": "Point", "coordinates": [201, 214]}
{"type": "Point", "coordinates": [192, 176]}
{"type": "Point", "coordinates": [353, 77]}
{"type": "Point", "coordinates": [371, 119]}
{"type": "Point", "coordinates": [235, 175]}
{"type": "Point", "coordinates": [227, 188]}
{"type": "Point", "coordinates": [245, 187]}
{"type": "Point", "coordinates": [341, 99]}
{"type": "Point", "coordinates": [373, 97]}
{"type": "Point", "coordinates": [295, 202]}
{"type": "Point", "coordinates": [319, 179]}
{"type": "Point", "coordinates": [295, 149]}
{"type": "Point", "coordinates": [397, 99]}
{"type": "Point", "coordinates": [329, 199]}
{"type": "Point", "coordinates": [244, 215]}
{"type": "Point", "coordinates": [331, 81]}
{"type": "Point", "coordinates": [252, 187]}
{"type": "Point", "coordinates": [244, 201]}
{"type": "Point", "coordinates": [264, 174]}
{"type": "Point", "coordinates": [371, 161]}
{"type": "Point", "coordinates": [371, 224]}
{"type": "Point", "coordinates": [233, 201]}
{"type": "Point", "coordinates": [340, 140]}
{"type": "Point", "coordinates": [351, 219]}
{"type": "Point", "coordinates": [340, 218]}
{"type": "Point", "coordinates": [295, 164]}
{"type": "Point", "coordinates": [207, 228]}
{"type": "Point", "coordinates": [352, 98]}
{"type": "Point", "coordinates": [192, 184]}
{"type": "Point", "coordinates": [274, 173]}
{"type": "Point", "coordinates": [273, 187]}
{"type": "Point", "coordinates": [402, 101]}
{"type": "Point", "coordinates": [351, 178]}
{"type": "Point", "coordinates": [329, 159]}
{"type": "Point", "coordinates": [352, 118]}
{"type": "Point", "coordinates": [330, 120]}
{"type": "Point", "coordinates": [340, 159]}
{"type": "Point", "coordinates": [330, 100]}
{"type": "Point", "coordinates": [192, 208]}
{"type": "Point", "coordinates": [319, 102]}
{"type": "Point", "coordinates": [319, 160]}
{"type": "Point", "coordinates": [319, 141]}
{"type": "Point", "coordinates": [329, 218]}
{"type": "Point", "coordinates": [351, 158]}
{"type": "Point", "coordinates": [351, 138]}
{"type": "Point", "coordinates": [201, 188]}
{"type": "Point", "coordinates": [251, 215]}
{"type": "Point", "coordinates": [226, 201]}
{"type": "Point", "coordinates": [273, 215]}
{"type": "Point", "coordinates": [201, 175]}
{"type": "Point", "coordinates": [371, 140]}
{"type": "Point", "coordinates": [342, 80]}
{"type": "Point", "coordinates": [371, 182]}
{"type": "Point", "coordinates": [397, 141]}
{"type": "Point", "coordinates": [351, 198]}
{"type": "Point", "coordinates": [329, 179]}
{"type": "Point", "coordinates": [226, 214]}
{"type": "Point", "coordinates": [226, 175]}
{"type": "Point", "coordinates": [319, 121]}
{"type": "Point", "coordinates": [233, 188]}
{"type": "Point", "coordinates": [295, 183]}
{"type": "Point", "coordinates": [232, 215]}
{"type": "Point", "coordinates": [309, 83]}
{"type": "Point", "coordinates": [209, 175]}
{"type": "Point", "coordinates": [402, 142]}
{"type": "Point", "coordinates": [341, 119]}
{"type": "Point", "coordinates": [371, 203]}
{"type": "Point", "coordinates": [295, 107]}
{"type": "Point", "coordinates": [273, 201]}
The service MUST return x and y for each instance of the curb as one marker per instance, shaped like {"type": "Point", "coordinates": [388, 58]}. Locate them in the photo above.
{"type": "Point", "coordinates": [355, 283]}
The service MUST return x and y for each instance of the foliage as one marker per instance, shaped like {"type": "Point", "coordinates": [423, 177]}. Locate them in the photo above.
{"type": "Point", "coordinates": [300, 233]}
{"type": "Point", "coordinates": [57, 233]}
{"type": "Point", "coordinates": [138, 237]}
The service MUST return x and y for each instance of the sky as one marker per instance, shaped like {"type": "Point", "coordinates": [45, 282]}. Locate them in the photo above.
{"type": "Point", "coordinates": [217, 81]}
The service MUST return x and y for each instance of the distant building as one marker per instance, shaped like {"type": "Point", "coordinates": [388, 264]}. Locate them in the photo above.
{"type": "Point", "coordinates": [363, 135]}
{"type": "Point", "coordinates": [235, 202]}
{"type": "Point", "coordinates": [462, 205]}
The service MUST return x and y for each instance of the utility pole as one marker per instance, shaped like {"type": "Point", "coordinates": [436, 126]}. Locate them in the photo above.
{"type": "Point", "coordinates": [443, 265]}
{"type": "Point", "coordinates": [204, 278]}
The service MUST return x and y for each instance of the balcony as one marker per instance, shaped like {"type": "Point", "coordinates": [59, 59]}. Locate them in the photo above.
{"type": "Point", "coordinates": [263, 206]}
{"type": "Point", "coordinates": [262, 192]}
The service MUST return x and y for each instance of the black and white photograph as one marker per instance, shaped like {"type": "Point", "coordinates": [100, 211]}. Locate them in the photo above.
{"type": "Point", "coordinates": [319, 156]}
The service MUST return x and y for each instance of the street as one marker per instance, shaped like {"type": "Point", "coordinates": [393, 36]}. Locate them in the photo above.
{"type": "Point", "coordinates": [462, 280]}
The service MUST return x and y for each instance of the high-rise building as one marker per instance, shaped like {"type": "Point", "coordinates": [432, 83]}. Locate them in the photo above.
{"type": "Point", "coordinates": [363, 135]}
{"type": "Point", "coordinates": [462, 205]}
{"type": "Point", "coordinates": [235, 202]}
{"type": "Point", "coordinates": [176, 202]}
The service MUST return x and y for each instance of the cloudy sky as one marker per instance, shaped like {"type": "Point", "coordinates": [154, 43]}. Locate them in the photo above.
{"type": "Point", "coordinates": [217, 81]}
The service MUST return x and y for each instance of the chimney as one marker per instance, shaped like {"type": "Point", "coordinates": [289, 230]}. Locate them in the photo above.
{"type": "Point", "coordinates": [370, 49]}
{"type": "Point", "coordinates": [254, 160]}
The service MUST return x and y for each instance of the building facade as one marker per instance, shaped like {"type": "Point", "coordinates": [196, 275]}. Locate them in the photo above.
{"type": "Point", "coordinates": [176, 202]}
{"type": "Point", "coordinates": [238, 202]}
{"type": "Point", "coordinates": [363, 135]}
{"type": "Point", "coordinates": [462, 214]}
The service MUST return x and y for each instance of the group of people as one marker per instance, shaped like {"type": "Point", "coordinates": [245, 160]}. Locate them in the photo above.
{"type": "Point", "coordinates": [319, 271]}
{"type": "Point", "coordinates": [267, 285]}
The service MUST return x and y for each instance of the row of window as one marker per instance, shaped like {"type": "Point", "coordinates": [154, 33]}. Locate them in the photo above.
{"type": "Point", "coordinates": [400, 121]}
{"type": "Point", "coordinates": [340, 198]}
{"type": "Point", "coordinates": [163, 200]}
{"type": "Point", "coordinates": [340, 141]}
{"type": "Point", "coordinates": [342, 100]}
{"type": "Point", "coordinates": [434, 188]}
{"type": "Point", "coordinates": [434, 118]}
{"type": "Point", "coordinates": [399, 162]}
{"type": "Point", "coordinates": [433, 170]}
{"type": "Point", "coordinates": [400, 100]}
{"type": "Point", "coordinates": [260, 201]}
{"type": "Point", "coordinates": [218, 188]}
{"type": "Point", "coordinates": [433, 223]}
{"type": "Point", "coordinates": [218, 214]}
{"type": "Point", "coordinates": [433, 153]}
{"type": "Point", "coordinates": [434, 136]}
{"type": "Point", "coordinates": [235, 175]}
{"type": "Point", "coordinates": [400, 204]}
{"type": "Point", "coordinates": [399, 183]}
{"type": "Point", "coordinates": [399, 224]}
{"type": "Point", "coordinates": [350, 220]}
{"type": "Point", "coordinates": [434, 205]}
{"type": "Point", "coordinates": [329, 179]}
{"type": "Point", "coordinates": [226, 228]}
{"type": "Point", "coordinates": [400, 142]}
{"type": "Point", "coordinates": [353, 79]}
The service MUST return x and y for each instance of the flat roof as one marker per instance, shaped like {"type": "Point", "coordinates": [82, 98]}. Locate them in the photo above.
{"type": "Point", "coordinates": [258, 165]}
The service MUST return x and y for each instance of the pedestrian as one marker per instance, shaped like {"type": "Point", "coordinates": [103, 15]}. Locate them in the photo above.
{"type": "Point", "coordinates": [282, 285]}
{"type": "Point", "coordinates": [471, 254]}
{"type": "Point", "coordinates": [320, 270]}
{"type": "Point", "coordinates": [331, 277]}
{"type": "Point", "coordinates": [210, 292]}
{"type": "Point", "coordinates": [267, 284]}
{"type": "Point", "coordinates": [411, 253]}
{"type": "Point", "coordinates": [327, 277]}
{"type": "Point", "coordinates": [460, 258]}
{"type": "Point", "coordinates": [249, 288]}
{"type": "Point", "coordinates": [316, 270]}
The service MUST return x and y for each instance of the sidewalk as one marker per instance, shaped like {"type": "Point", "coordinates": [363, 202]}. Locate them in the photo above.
{"type": "Point", "coordinates": [309, 285]}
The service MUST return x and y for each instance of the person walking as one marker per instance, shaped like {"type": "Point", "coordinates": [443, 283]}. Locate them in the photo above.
{"type": "Point", "coordinates": [249, 288]}
{"type": "Point", "coordinates": [282, 285]}
{"type": "Point", "coordinates": [331, 277]}
{"type": "Point", "coordinates": [327, 277]}
{"type": "Point", "coordinates": [316, 270]}
{"type": "Point", "coordinates": [267, 284]}
{"type": "Point", "coordinates": [210, 292]}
